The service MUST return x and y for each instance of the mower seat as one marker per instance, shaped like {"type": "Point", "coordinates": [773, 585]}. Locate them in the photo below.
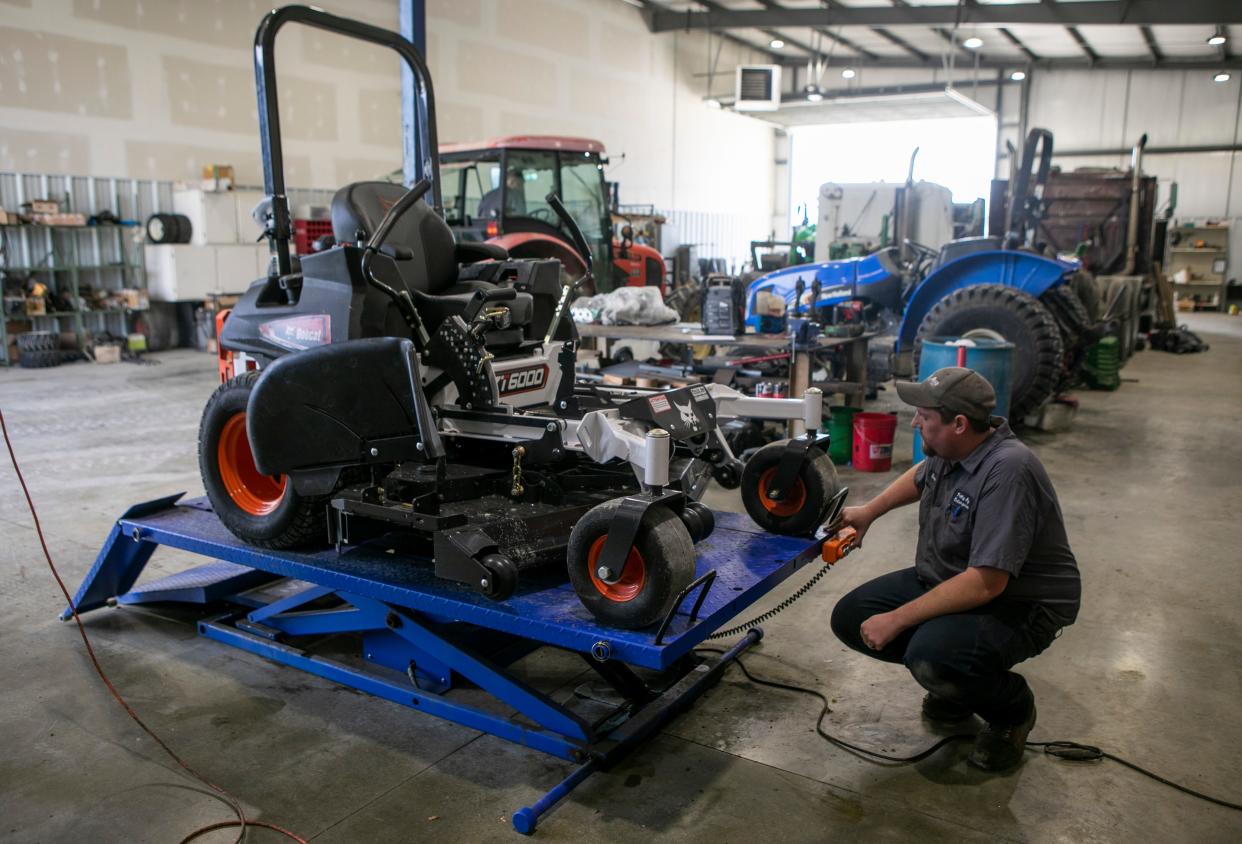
{"type": "Point", "coordinates": [433, 268]}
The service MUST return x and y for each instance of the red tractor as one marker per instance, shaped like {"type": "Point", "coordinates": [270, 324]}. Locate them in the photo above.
{"type": "Point", "coordinates": [496, 192]}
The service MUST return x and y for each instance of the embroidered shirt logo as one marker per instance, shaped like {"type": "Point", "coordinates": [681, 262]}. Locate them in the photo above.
{"type": "Point", "coordinates": [961, 500]}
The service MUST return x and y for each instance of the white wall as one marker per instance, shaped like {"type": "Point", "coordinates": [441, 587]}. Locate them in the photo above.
{"type": "Point", "coordinates": [157, 89]}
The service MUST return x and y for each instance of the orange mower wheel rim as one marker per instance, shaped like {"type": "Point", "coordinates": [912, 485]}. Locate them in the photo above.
{"type": "Point", "coordinates": [251, 490]}
{"type": "Point", "coordinates": [633, 574]}
{"type": "Point", "coordinates": [790, 505]}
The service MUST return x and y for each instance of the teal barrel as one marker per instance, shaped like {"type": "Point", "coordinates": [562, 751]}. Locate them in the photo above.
{"type": "Point", "coordinates": [993, 359]}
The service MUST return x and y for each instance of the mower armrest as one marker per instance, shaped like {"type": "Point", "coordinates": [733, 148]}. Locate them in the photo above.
{"type": "Point", "coordinates": [470, 252]}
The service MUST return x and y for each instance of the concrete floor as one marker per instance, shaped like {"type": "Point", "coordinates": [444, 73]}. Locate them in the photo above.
{"type": "Point", "coordinates": [1148, 480]}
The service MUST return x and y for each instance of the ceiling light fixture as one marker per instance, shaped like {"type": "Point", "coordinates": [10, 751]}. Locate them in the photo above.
{"type": "Point", "coordinates": [814, 93]}
{"type": "Point", "coordinates": [712, 102]}
{"type": "Point", "coordinates": [848, 73]}
{"type": "Point", "coordinates": [1221, 77]}
{"type": "Point", "coordinates": [1217, 39]}
{"type": "Point", "coordinates": [776, 43]}
{"type": "Point", "coordinates": [974, 42]}
{"type": "Point", "coordinates": [1018, 75]}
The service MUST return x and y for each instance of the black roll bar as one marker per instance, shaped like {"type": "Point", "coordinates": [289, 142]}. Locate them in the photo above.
{"type": "Point", "coordinates": [418, 146]}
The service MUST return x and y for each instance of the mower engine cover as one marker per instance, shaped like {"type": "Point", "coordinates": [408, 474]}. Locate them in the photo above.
{"type": "Point", "coordinates": [352, 403]}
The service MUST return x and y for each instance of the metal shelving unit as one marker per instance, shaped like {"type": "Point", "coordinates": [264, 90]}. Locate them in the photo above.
{"type": "Point", "coordinates": [68, 259]}
{"type": "Point", "coordinates": [1201, 252]}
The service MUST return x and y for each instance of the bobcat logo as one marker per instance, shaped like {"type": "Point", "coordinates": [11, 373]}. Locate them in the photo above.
{"type": "Point", "coordinates": [688, 418]}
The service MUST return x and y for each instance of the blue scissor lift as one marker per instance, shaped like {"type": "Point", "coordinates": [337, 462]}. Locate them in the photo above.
{"type": "Point", "coordinates": [421, 635]}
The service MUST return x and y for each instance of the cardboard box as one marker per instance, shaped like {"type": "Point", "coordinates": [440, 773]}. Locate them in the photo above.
{"type": "Point", "coordinates": [135, 299]}
{"type": "Point", "coordinates": [36, 306]}
{"type": "Point", "coordinates": [44, 206]}
{"type": "Point", "coordinates": [218, 177]}
{"type": "Point", "coordinates": [110, 353]}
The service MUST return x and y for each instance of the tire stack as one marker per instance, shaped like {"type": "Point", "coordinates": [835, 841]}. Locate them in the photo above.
{"type": "Point", "coordinates": [38, 349]}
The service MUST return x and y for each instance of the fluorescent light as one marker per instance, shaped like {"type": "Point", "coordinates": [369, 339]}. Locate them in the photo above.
{"type": "Point", "coordinates": [1221, 77]}
{"type": "Point", "coordinates": [974, 42]}
{"type": "Point", "coordinates": [1018, 75]}
{"type": "Point", "coordinates": [813, 93]}
{"type": "Point", "coordinates": [848, 73]}
{"type": "Point", "coordinates": [776, 43]}
{"type": "Point", "coordinates": [1217, 39]}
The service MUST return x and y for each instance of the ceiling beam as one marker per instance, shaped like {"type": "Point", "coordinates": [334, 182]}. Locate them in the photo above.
{"type": "Point", "coordinates": [839, 39]}
{"type": "Point", "coordinates": [1013, 39]}
{"type": "Point", "coordinates": [900, 42]}
{"type": "Point", "coordinates": [1128, 12]}
{"type": "Point", "coordinates": [1139, 62]}
{"type": "Point", "coordinates": [771, 33]}
{"type": "Point", "coordinates": [1152, 46]}
{"type": "Point", "coordinates": [1092, 55]}
{"type": "Point", "coordinates": [653, 8]}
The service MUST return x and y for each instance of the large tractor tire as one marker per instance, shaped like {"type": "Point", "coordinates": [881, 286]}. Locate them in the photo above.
{"type": "Point", "coordinates": [1075, 323]}
{"type": "Point", "coordinates": [800, 510]}
{"type": "Point", "coordinates": [658, 567]}
{"type": "Point", "coordinates": [1000, 312]}
{"type": "Point", "coordinates": [260, 509]}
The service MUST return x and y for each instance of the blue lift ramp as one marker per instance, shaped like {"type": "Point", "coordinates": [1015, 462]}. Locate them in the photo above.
{"type": "Point", "coordinates": [421, 635]}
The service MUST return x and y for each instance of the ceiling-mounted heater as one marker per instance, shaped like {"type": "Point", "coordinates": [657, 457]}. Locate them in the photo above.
{"type": "Point", "coordinates": [758, 88]}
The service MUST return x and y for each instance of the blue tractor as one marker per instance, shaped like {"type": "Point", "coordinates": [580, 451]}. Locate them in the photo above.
{"type": "Point", "coordinates": [993, 287]}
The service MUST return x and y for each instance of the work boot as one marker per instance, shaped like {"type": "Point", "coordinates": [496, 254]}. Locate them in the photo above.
{"type": "Point", "coordinates": [999, 748]}
{"type": "Point", "coordinates": [944, 711]}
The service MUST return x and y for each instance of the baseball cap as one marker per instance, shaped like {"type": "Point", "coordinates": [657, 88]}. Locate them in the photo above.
{"type": "Point", "coordinates": [953, 388]}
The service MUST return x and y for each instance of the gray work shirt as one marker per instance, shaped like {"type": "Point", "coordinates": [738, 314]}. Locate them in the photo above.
{"type": "Point", "coordinates": [997, 508]}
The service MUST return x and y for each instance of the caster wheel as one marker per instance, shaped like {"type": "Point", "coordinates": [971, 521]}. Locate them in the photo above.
{"type": "Point", "coordinates": [699, 520]}
{"type": "Point", "coordinates": [658, 567]}
{"type": "Point", "coordinates": [804, 507]}
{"type": "Point", "coordinates": [727, 475]}
{"type": "Point", "coordinates": [502, 577]}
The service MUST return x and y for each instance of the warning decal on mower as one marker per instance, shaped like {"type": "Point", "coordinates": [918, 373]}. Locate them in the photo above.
{"type": "Point", "coordinates": [659, 404]}
{"type": "Point", "coordinates": [522, 380]}
{"type": "Point", "coordinates": [298, 333]}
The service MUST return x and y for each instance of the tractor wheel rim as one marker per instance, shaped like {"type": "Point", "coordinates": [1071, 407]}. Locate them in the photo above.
{"type": "Point", "coordinates": [633, 574]}
{"type": "Point", "coordinates": [984, 334]}
{"type": "Point", "coordinates": [251, 490]}
{"type": "Point", "coordinates": [790, 505]}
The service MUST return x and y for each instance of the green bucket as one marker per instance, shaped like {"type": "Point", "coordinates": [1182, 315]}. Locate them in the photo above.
{"type": "Point", "coordinates": [840, 427]}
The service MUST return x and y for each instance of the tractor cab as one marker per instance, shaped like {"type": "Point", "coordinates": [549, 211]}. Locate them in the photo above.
{"type": "Point", "coordinates": [496, 192]}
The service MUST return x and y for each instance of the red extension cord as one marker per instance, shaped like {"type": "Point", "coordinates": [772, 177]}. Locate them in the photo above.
{"type": "Point", "coordinates": [242, 822]}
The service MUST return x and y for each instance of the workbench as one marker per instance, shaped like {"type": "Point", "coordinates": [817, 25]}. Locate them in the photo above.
{"type": "Point", "coordinates": [802, 360]}
{"type": "Point", "coordinates": [421, 636]}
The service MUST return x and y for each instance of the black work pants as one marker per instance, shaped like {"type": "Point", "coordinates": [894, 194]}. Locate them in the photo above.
{"type": "Point", "coordinates": [964, 657]}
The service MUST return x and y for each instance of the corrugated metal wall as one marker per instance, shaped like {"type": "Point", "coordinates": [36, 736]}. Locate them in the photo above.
{"type": "Point", "coordinates": [716, 235]}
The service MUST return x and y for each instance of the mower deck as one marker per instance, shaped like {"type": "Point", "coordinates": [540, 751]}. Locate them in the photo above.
{"type": "Point", "coordinates": [421, 634]}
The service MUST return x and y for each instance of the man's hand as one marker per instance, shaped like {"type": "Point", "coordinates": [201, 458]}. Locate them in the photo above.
{"type": "Point", "coordinates": [881, 629]}
{"type": "Point", "coordinates": [859, 518]}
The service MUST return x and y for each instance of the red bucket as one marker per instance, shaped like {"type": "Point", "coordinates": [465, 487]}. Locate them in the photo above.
{"type": "Point", "coordinates": [873, 441]}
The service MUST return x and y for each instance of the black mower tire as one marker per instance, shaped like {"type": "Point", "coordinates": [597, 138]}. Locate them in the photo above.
{"type": "Point", "coordinates": [40, 359]}
{"type": "Point", "coordinates": [804, 509]}
{"type": "Point", "coordinates": [1075, 322]}
{"type": "Point", "coordinates": [650, 582]}
{"type": "Point", "coordinates": [288, 520]}
{"type": "Point", "coordinates": [169, 228]}
{"type": "Point", "coordinates": [38, 341]}
{"type": "Point", "coordinates": [1018, 317]}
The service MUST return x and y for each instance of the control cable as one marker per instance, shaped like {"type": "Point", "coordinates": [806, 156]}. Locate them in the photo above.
{"type": "Point", "coordinates": [1070, 751]}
